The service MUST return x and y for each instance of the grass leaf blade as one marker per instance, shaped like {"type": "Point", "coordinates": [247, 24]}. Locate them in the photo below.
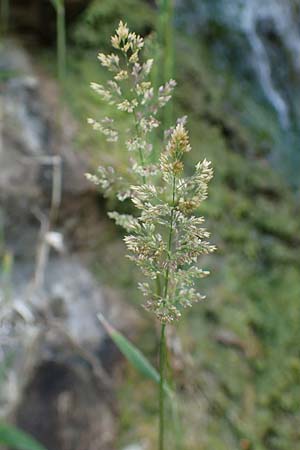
{"type": "Point", "coordinates": [133, 354]}
{"type": "Point", "coordinates": [17, 439]}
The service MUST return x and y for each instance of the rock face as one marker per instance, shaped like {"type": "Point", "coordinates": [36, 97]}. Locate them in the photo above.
{"type": "Point", "coordinates": [59, 386]}
{"type": "Point", "coordinates": [63, 393]}
{"type": "Point", "coordinates": [34, 152]}
{"type": "Point", "coordinates": [64, 408]}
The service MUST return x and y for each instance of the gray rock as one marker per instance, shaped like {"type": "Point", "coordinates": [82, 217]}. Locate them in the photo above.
{"type": "Point", "coordinates": [57, 387]}
{"type": "Point", "coordinates": [60, 383]}
{"type": "Point", "coordinates": [35, 150]}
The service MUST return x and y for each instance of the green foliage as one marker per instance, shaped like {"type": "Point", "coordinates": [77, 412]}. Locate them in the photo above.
{"type": "Point", "coordinates": [17, 439]}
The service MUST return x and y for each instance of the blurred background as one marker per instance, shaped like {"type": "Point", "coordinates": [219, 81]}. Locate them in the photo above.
{"type": "Point", "coordinates": [235, 358]}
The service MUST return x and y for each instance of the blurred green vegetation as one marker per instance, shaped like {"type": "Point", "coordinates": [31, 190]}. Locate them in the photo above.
{"type": "Point", "coordinates": [17, 439]}
{"type": "Point", "coordinates": [101, 17]}
{"type": "Point", "coordinates": [239, 384]}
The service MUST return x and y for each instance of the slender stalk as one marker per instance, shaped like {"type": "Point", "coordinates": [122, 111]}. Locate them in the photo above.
{"type": "Point", "coordinates": [61, 46]}
{"type": "Point", "coordinates": [61, 40]}
{"type": "Point", "coordinates": [5, 12]}
{"type": "Point", "coordinates": [176, 424]}
{"type": "Point", "coordinates": [169, 57]}
{"type": "Point", "coordinates": [163, 70]}
{"type": "Point", "coordinates": [165, 37]}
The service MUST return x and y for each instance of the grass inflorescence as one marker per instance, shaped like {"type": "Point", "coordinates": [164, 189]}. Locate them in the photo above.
{"type": "Point", "coordinates": [165, 236]}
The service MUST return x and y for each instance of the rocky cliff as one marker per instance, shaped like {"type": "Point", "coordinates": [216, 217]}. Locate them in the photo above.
{"type": "Point", "coordinates": [58, 383]}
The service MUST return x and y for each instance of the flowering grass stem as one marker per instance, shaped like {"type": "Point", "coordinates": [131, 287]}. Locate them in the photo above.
{"type": "Point", "coordinates": [165, 237]}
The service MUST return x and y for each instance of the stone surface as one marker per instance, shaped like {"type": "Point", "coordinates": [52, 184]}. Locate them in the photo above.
{"type": "Point", "coordinates": [59, 386]}
{"type": "Point", "coordinates": [60, 391]}
{"type": "Point", "coordinates": [35, 153]}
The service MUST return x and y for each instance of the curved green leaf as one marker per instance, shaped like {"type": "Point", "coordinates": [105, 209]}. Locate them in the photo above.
{"type": "Point", "coordinates": [17, 439]}
{"type": "Point", "coordinates": [132, 354]}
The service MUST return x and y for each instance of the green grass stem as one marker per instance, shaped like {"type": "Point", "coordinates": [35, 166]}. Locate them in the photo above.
{"type": "Point", "coordinates": [5, 13]}
{"type": "Point", "coordinates": [165, 35]}
{"type": "Point", "coordinates": [61, 45]}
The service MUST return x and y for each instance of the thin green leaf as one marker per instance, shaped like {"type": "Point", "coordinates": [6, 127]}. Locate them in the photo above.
{"type": "Point", "coordinates": [132, 354]}
{"type": "Point", "coordinates": [17, 439]}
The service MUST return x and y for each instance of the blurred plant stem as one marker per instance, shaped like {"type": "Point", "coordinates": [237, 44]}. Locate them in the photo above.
{"type": "Point", "coordinates": [165, 37]}
{"type": "Point", "coordinates": [163, 70]}
{"type": "Point", "coordinates": [60, 39]}
{"type": "Point", "coordinates": [5, 12]}
{"type": "Point", "coordinates": [165, 58]}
